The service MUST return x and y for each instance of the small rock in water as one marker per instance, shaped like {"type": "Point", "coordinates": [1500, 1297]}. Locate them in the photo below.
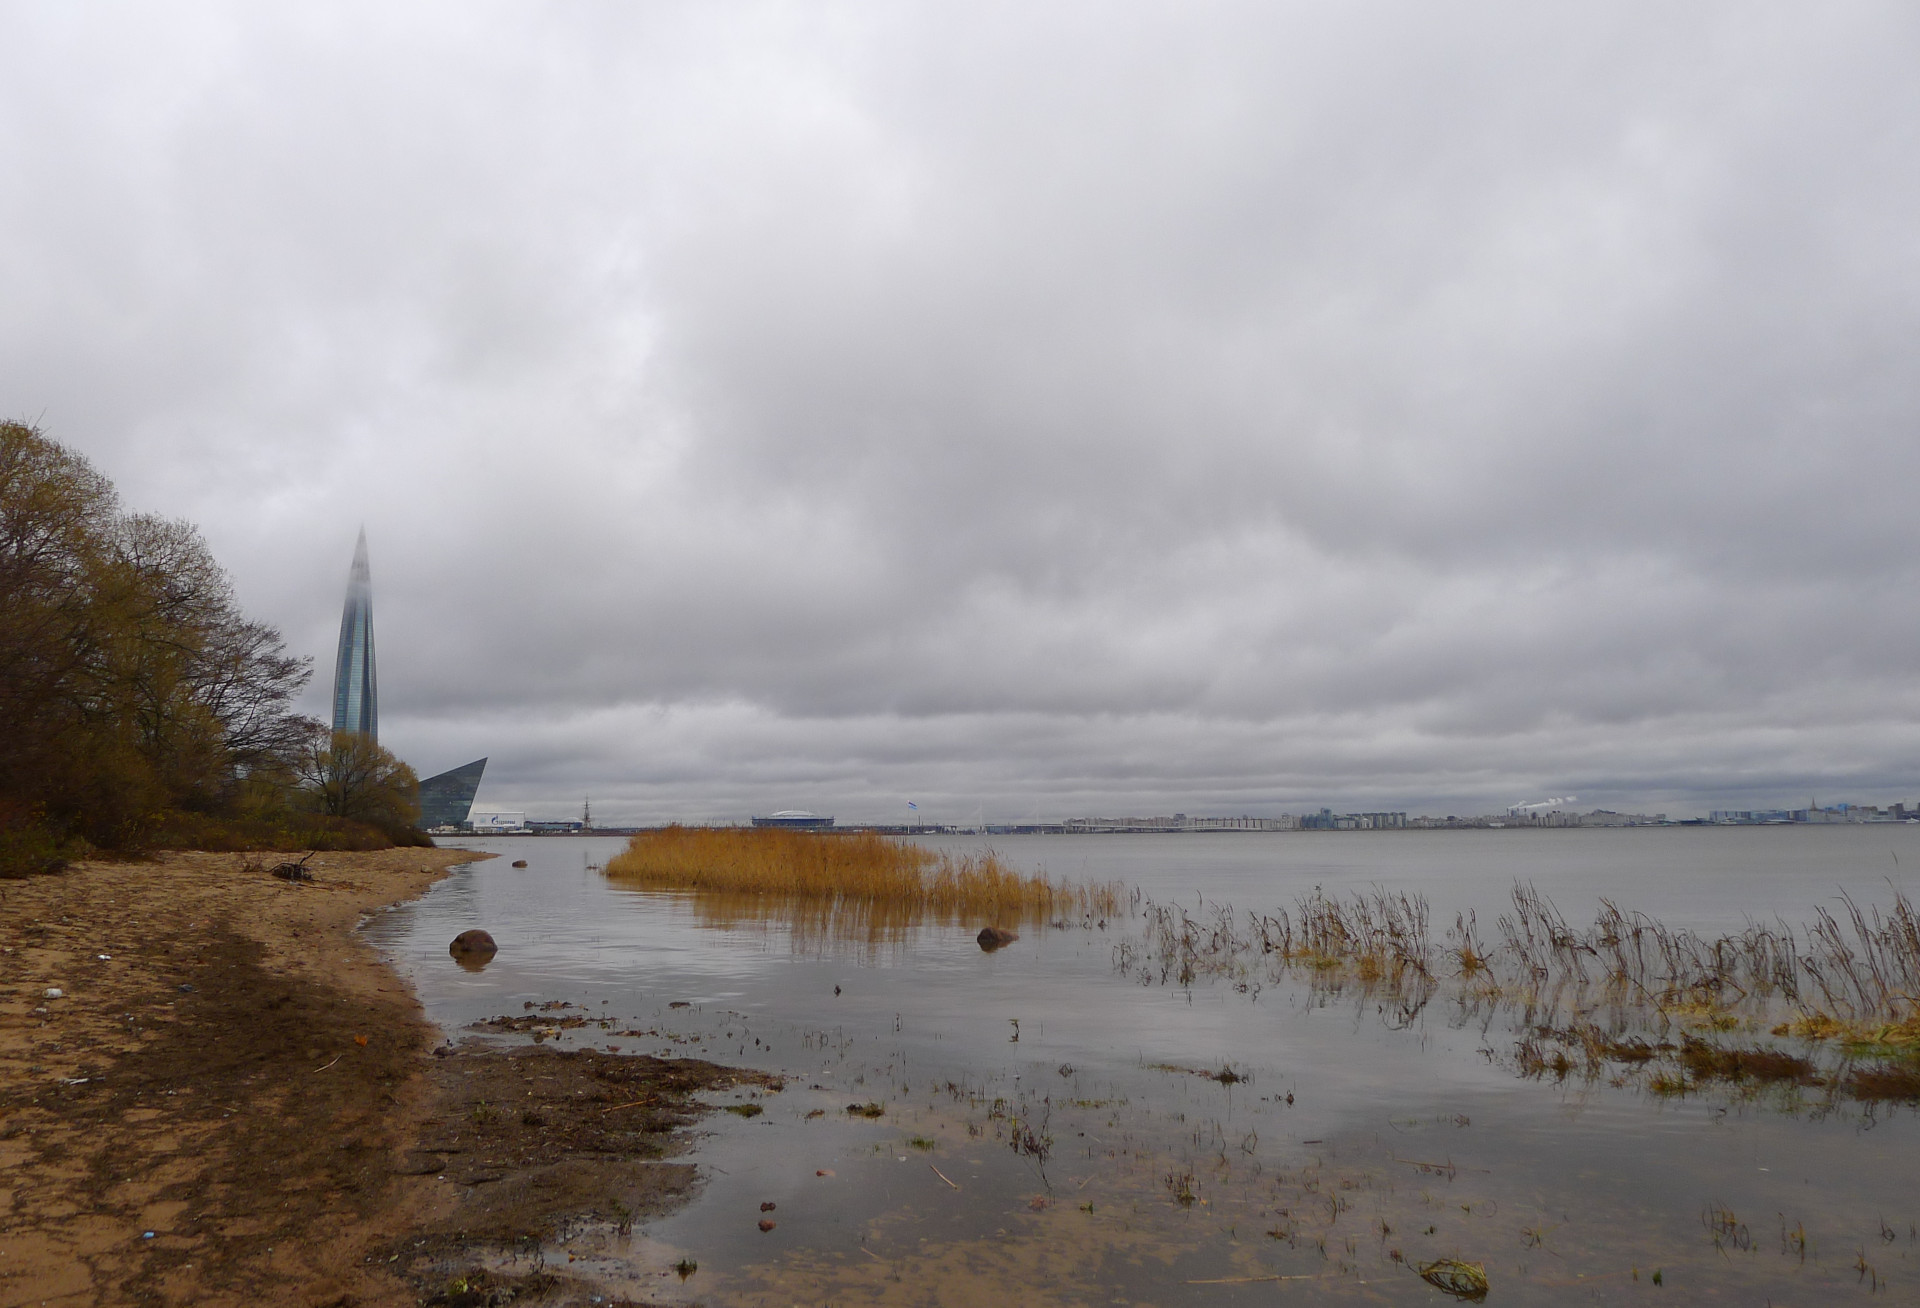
{"type": "Point", "coordinates": [766, 1225]}
{"type": "Point", "coordinates": [519, 862]}
{"type": "Point", "coordinates": [992, 938]}
{"type": "Point", "coordinates": [473, 946]}
{"type": "Point", "coordinates": [768, 1206]}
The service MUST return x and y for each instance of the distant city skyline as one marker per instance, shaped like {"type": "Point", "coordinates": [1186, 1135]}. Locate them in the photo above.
{"type": "Point", "coordinates": [1323, 819]}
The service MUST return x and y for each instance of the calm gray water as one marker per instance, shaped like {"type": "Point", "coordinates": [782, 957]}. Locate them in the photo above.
{"type": "Point", "coordinates": [1356, 1147]}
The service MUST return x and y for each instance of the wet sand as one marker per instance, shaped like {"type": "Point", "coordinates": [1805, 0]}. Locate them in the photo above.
{"type": "Point", "coordinates": [233, 1099]}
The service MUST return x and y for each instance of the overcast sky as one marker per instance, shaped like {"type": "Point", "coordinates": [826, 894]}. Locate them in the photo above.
{"type": "Point", "coordinates": [1028, 410]}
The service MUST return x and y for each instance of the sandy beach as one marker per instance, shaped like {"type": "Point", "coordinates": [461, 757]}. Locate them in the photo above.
{"type": "Point", "coordinates": [213, 1091]}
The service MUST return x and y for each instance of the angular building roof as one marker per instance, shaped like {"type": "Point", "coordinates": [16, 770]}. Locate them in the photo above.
{"type": "Point", "coordinates": [446, 800]}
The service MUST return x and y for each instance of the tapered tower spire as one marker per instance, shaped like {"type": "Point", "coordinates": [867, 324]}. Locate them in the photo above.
{"type": "Point", "coordinates": [356, 690]}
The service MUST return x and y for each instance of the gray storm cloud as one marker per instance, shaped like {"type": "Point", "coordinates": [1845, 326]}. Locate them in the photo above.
{"type": "Point", "coordinates": [1025, 410]}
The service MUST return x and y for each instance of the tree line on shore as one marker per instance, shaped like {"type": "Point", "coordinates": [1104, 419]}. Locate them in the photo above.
{"type": "Point", "coordinates": [141, 708]}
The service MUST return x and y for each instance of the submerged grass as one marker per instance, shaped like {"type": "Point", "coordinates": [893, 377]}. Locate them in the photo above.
{"type": "Point", "coordinates": [1852, 976]}
{"type": "Point", "coordinates": [1848, 985]}
{"type": "Point", "coordinates": [899, 882]}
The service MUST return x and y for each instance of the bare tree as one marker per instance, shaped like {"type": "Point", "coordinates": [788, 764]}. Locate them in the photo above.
{"type": "Point", "coordinates": [350, 775]}
{"type": "Point", "coordinates": [130, 682]}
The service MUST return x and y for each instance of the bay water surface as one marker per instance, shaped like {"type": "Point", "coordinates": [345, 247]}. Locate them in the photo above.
{"type": "Point", "coordinates": [1054, 1129]}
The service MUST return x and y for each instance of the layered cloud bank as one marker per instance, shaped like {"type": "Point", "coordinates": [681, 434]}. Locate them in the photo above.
{"type": "Point", "coordinates": [1231, 408]}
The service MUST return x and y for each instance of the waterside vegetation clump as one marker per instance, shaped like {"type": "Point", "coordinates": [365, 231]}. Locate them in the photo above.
{"type": "Point", "coordinates": [1833, 1005]}
{"type": "Point", "coordinates": [872, 875]}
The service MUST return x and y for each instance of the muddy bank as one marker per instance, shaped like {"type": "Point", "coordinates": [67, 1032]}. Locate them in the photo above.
{"type": "Point", "coordinates": [230, 1098]}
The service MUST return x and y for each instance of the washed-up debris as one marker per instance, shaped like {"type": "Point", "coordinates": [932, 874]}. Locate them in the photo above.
{"type": "Point", "coordinates": [529, 1022]}
{"type": "Point", "coordinates": [293, 871]}
{"type": "Point", "coordinates": [1225, 1075]}
{"type": "Point", "coordinates": [865, 1110]}
{"type": "Point", "coordinates": [1461, 1280]}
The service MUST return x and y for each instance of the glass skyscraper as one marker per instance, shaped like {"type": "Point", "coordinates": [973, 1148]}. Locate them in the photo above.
{"type": "Point", "coordinates": [356, 690]}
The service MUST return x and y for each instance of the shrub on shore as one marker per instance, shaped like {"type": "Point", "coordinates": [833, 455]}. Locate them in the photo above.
{"type": "Point", "coordinates": [287, 834]}
{"type": "Point", "coordinates": [29, 847]}
{"type": "Point", "coordinates": [855, 867]}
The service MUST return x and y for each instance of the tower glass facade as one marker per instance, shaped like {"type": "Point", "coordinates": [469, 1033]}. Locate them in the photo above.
{"type": "Point", "coordinates": [356, 688]}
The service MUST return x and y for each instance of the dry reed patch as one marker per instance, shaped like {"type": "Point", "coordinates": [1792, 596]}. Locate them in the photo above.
{"type": "Point", "coordinates": [1899, 1038]}
{"type": "Point", "coordinates": [1813, 1026]}
{"type": "Point", "coordinates": [1886, 1082]}
{"type": "Point", "coordinates": [1706, 1061]}
{"type": "Point", "coordinates": [902, 881]}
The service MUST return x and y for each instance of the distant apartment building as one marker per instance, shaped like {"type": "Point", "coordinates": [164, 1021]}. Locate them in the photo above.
{"type": "Point", "coordinates": [1179, 822]}
{"type": "Point", "coordinates": [1328, 820]}
{"type": "Point", "coordinates": [1744, 817]}
{"type": "Point", "coordinates": [1599, 817]}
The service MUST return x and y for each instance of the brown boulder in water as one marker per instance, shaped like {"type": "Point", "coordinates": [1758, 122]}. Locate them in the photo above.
{"type": "Point", "coordinates": [991, 938]}
{"type": "Point", "coordinates": [519, 862]}
{"type": "Point", "coordinates": [473, 949]}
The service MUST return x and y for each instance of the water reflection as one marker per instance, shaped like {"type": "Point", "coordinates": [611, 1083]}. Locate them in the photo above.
{"type": "Point", "coordinates": [867, 930]}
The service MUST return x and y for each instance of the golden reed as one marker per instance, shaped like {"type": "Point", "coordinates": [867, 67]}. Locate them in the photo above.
{"type": "Point", "coordinates": [881, 871]}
